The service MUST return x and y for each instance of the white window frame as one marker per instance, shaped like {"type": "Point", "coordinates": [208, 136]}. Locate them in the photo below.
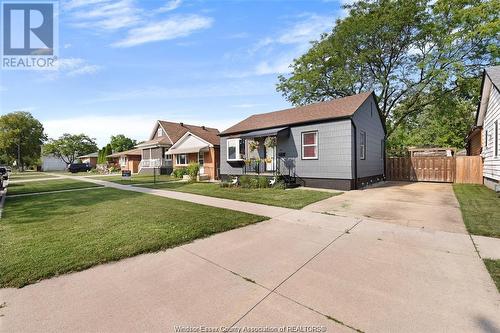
{"type": "Point", "coordinates": [315, 144]}
{"type": "Point", "coordinates": [362, 145]}
{"type": "Point", "coordinates": [495, 146]}
{"type": "Point", "coordinates": [123, 161]}
{"type": "Point", "coordinates": [168, 157]}
{"type": "Point", "coordinates": [230, 143]}
{"type": "Point", "coordinates": [159, 132]}
{"type": "Point", "coordinates": [177, 156]}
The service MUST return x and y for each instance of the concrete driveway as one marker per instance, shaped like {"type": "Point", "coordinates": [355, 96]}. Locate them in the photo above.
{"type": "Point", "coordinates": [339, 274]}
{"type": "Point", "coordinates": [423, 205]}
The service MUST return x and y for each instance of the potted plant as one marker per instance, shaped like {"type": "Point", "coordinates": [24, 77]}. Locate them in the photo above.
{"type": "Point", "coordinates": [253, 145]}
{"type": "Point", "coordinates": [270, 142]}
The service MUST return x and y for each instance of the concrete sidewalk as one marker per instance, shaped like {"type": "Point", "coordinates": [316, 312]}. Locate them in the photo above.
{"type": "Point", "coordinates": [301, 269]}
{"type": "Point", "coordinates": [488, 247]}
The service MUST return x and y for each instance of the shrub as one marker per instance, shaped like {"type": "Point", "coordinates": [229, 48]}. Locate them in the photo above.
{"type": "Point", "coordinates": [192, 170]}
{"type": "Point", "coordinates": [280, 185]}
{"type": "Point", "coordinates": [263, 182]}
{"type": "Point", "coordinates": [179, 172]}
{"type": "Point", "coordinates": [245, 181]}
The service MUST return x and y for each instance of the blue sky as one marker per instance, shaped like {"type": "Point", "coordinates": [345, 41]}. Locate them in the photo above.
{"type": "Point", "coordinates": [126, 63]}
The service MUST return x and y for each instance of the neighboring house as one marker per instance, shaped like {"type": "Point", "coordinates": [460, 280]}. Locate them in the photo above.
{"type": "Point", "coordinates": [91, 159]}
{"type": "Point", "coordinates": [488, 119]}
{"type": "Point", "coordinates": [431, 152]}
{"type": "Point", "coordinates": [338, 144]}
{"type": "Point", "coordinates": [173, 145]}
{"type": "Point", "coordinates": [474, 143]}
{"type": "Point", "coordinates": [53, 163]}
{"type": "Point", "coordinates": [126, 160]}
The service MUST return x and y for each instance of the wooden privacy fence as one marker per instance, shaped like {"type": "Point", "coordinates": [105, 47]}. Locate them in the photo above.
{"type": "Point", "coordinates": [460, 169]}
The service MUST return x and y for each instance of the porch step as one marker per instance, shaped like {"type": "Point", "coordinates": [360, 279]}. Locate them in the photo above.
{"type": "Point", "coordinates": [203, 177]}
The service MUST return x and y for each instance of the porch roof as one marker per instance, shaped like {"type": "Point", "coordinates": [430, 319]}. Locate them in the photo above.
{"type": "Point", "coordinates": [189, 143]}
{"type": "Point", "coordinates": [263, 133]}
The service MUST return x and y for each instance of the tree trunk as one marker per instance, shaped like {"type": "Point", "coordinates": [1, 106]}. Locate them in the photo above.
{"type": "Point", "coordinates": [19, 165]}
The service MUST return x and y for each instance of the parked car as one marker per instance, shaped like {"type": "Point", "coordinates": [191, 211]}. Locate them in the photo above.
{"type": "Point", "coordinates": [4, 174]}
{"type": "Point", "coordinates": [79, 167]}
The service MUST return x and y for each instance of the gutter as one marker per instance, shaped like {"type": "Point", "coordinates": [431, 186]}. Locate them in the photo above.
{"type": "Point", "coordinates": [356, 154]}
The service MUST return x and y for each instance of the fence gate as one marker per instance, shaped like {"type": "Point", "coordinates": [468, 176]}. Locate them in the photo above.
{"type": "Point", "coordinates": [460, 169]}
{"type": "Point", "coordinates": [421, 169]}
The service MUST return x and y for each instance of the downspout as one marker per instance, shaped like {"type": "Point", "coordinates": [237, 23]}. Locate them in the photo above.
{"type": "Point", "coordinates": [355, 155]}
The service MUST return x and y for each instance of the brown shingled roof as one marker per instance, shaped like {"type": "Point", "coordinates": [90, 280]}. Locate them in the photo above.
{"type": "Point", "coordinates": [337, 108]}
{"type": "Point", "coordinates": [127, 152]}
{"type": "Point", "coordinates": [175, 131]}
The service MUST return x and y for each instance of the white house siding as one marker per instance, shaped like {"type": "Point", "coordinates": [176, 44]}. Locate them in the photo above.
{"type": "Point", "coordinates": [491, 168]}
{"type": "Point", "coordinates": [367, 119]}
{"type": "Point", "coordinates": [52, 163]}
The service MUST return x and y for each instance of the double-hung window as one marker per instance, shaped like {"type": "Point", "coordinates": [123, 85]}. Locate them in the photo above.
{"type": "Point", "coordinates": [310, 145]}
{"type": "Point", "coordinates": [235, 149]}
{"type": "Point", "coordinates": [181, 159]}
{"type": "Point", "coordinates": [362, 145]}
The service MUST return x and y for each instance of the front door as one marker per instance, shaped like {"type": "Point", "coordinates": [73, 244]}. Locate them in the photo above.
{"type": "Point", "coordinates": [201, 162]}
{"type": "Point", "coordinates": [270, 152]}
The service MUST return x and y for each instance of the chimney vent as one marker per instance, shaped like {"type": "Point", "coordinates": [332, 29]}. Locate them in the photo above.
{"type": "Point", "coordinates": [203, 127]}
{"type": "Point", "coordinates": [182, 124]}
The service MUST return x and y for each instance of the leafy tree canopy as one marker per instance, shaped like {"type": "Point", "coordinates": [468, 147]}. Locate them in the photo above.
{"type": "Point", "coordinates": [121, 143]}
{"type": "Point", "coordinates": [68, 147]}
{"type": "Point", "coordinates": [21, 136]}
{"type": "Point", "coordinates": [412, 53]}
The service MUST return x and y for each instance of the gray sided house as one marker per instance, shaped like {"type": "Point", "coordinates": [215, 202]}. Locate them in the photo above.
{"type": "Point", "coordinates": [339, 144]}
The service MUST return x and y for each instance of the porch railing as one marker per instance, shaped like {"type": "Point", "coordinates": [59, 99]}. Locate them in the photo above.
{"type": "Point", "coordinates": [152, 163]}
{"type": "Point", "coordinates": [259, 167]}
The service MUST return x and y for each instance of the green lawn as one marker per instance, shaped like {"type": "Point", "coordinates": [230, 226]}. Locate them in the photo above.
{"type": "Point", "coordinates": [29, 175]}
{"type": "Point", "coordinates": [47, 186]}
{"type": "Point", "coordinates": [480, 208]}
{"type": "Point", "coordinates": [493, 267]}
{"type": "Point", "coordinates": [51, 234]}
{"type": "Point", "coordinates": [274, 197]}
{"type": "Point", "coordinates": [136, 179]}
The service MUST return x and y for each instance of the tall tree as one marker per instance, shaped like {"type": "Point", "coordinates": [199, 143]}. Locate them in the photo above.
{"type": "Point", "coordinates": [411, 53]}
{"type": "Point", "coordinates": [21, 138]}
{"type": "Point", "coordinates": [68, 147]}
{"type": "Point", "coordinates": [121, 143]}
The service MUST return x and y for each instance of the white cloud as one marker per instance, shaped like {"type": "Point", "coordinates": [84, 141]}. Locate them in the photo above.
{"type": "Point", "coordinates": [169, 6]}
{"type": "Point", "coordinates": [76, 66]}
{"type": "Point", "coordinates": [280, 66]}
{"type": "Point", "coordinates": [140, 25]}
{"type": "Point", "coordinates": [108, 15]}
{"type": "Point", "coordinates": [171, 28]}
{"type": "Point", "coordinates": [71, 67]}
{"type": "Point", "coordinates": [275, 53]}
